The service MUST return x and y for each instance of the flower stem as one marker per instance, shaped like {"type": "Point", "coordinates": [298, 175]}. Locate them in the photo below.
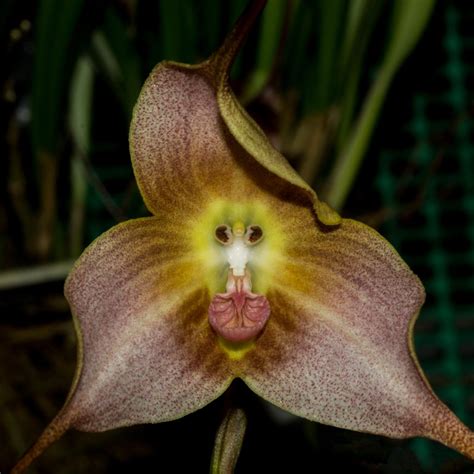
{"type": "Point", "coordinates": [51, 434]}
{"type": "Point", "coordinates": [223, 58]}
{"type": "Point", "coordinates": [228, 443]}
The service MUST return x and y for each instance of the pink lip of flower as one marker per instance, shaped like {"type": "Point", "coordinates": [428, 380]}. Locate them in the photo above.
{"type": "Point", "coordinates": [324, 333]}
{"type": "Point", "coordinates": [238, 315]}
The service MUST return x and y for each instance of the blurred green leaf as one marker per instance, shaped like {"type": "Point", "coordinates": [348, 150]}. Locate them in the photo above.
{"type": "Point", "coordinates": [178, 30]}
{"type": "Point", "coordinates": [119, 59]}
{"type": "Point", "coordinates": [409, 21]}
{"type": "Point", "coordinates": [331, 17]}
{"type": "Point", "coordinates": [268, 43]}
{"type": "Point", "coordinates": [80, 103]}
{"type": "Point", "coordinates": [301, 28]}
{"type": "Point", "coordinates": [80, 115]}
{"type": "Point", "coordinates": [55, 29]}
{"type": "Point", "coordinates": [361, 21]}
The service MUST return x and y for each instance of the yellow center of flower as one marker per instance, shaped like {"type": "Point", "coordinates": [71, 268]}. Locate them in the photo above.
{"type": "Point", "coordinates": [215, 225]}
{"type": "Point", "coordinates": [240, 247]}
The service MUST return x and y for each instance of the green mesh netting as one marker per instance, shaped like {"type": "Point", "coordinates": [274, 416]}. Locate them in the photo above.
{"type": "Point", "coordinates": [431, 189]}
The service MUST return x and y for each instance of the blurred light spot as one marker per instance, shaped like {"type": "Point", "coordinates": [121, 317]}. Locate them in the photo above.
{"type": "Point", "coordinates": [15, 34]}
{"type": "Point", "coordinates": [25, 25]}
{"type": "Point", "coordinates": [9, 94]}
{"type": "Point", "coordinates": [23, 114]}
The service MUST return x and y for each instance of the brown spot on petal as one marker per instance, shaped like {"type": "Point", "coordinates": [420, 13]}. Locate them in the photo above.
{"type": "Point", "coordinates": [191, 332]}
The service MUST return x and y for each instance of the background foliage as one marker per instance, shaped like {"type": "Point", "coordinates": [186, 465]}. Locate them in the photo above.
{"type": "Point", "coordinates": [385, 139]}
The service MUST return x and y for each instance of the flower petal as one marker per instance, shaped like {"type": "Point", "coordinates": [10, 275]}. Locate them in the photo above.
{"type": "Point", "coordinates": [337, 348]}
{"type": "Point", "coordinates": [177, 142]}
{"type": "Point", "coordinates": [245, 130]}
{"type": "Point", "coordinates": [190, 138]}
{"type": "Point", "coordinates": [147, 351]}
{"type": "Point", "coordinates": [184, 157]}
{"type": "Point", "coordinates": [251, 137]}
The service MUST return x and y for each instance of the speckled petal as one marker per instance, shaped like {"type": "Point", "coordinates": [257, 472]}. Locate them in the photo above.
{"type": "Point", "coordinates": [337, 348]}
{"type": "Point", "coordinates": [147, 349]}
{"type": "Point", "coordinates": [147, 353]}
{"type": "Point", "coordinates": [184, 134]}
{"type": "Point", "coordinates": [245, 130]}
{"type": "Point", "coordinates": [177, 142]}
{"type": "Point", "coordinates": [182, 153]}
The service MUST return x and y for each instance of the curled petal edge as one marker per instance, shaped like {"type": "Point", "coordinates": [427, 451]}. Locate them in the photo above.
{"type": "Point", "coordinates": [243, 128]}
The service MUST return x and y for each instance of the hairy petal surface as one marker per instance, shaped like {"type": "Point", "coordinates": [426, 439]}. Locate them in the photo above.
{"type": "Point", "coordinates": [147, 352]}
{"type": "Point", "coordinates": [337, 348]}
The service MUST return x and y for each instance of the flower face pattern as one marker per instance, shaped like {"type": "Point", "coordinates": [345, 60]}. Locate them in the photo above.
{"type": "Point", "coordinates": [240, 272]}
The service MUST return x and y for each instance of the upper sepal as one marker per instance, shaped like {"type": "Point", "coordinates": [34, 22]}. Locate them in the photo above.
{"type": "Point", "coordinates": [188, 129]}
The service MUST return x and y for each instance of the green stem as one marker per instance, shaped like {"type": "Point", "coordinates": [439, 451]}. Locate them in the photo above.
{"type": "Point", "coordinates": [229, 438]}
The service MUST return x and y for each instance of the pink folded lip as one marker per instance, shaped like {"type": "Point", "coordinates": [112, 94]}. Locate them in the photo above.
{"type": "Point", "coordinates": [238, 315]}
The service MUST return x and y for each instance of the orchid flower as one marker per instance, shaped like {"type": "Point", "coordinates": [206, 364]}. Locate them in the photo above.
{"type": "Point", "coordinates": [241, 272]}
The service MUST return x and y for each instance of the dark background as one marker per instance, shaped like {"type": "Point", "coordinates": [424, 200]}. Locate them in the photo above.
{"type": "Point", "coordinates": [415, 186]}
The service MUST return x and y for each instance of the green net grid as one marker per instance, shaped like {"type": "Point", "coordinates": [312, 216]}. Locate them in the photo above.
{"type": "Point", "coordinates": [430, 190]}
